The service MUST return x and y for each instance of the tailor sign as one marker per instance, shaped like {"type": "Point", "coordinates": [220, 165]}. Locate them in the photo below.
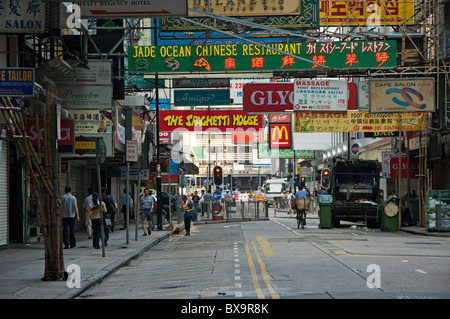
{"type": "Point", "coordinates": [279, 97]}
{"type": "Point", "coordinates": [16, 81]}
{"type": "Point", "coordinates": [252, 57]}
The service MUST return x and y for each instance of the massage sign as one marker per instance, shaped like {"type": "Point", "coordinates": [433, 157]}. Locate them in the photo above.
{"type": "Point", "coordinates": [252, 57]}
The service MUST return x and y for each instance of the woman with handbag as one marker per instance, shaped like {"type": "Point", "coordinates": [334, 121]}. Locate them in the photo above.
{"type": "Point", "coordinates": [94, 216]}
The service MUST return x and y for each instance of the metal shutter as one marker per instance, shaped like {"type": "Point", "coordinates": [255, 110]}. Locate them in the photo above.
{"type": "Point", "coordinates": [3, 193]}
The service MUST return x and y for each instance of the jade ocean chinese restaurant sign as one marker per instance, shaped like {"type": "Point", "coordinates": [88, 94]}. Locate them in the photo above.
{"type": "Point", "coordinates": [252, 57]}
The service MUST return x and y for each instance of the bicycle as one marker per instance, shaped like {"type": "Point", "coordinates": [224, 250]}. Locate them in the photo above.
{"type": "Point", "coordinates": [301, 207]}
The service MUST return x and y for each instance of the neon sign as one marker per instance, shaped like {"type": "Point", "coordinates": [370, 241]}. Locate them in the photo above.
{"type": "Point", "coordinates": [252, 57]}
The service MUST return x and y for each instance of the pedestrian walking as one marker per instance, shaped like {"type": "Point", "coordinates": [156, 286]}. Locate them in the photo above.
{"type": "Point", "coordinates": [111, 206]}
{"type": "Point", "coordinates": [69, 211]}
{"type": "Point", "coordinates": [95, 216]}
{"type": "Point", "coordinates": [187, 213]}
{"type": "Point", "coordinates": [86, 203]}
{"type": "Point", "coordinates": [123, 202]}
{"type": "Point", "coordinates": [208, 202]}
{"type": "Point", "coordinates": [196, 201]}
{"type": "Point", "coordinates": [147, 206]}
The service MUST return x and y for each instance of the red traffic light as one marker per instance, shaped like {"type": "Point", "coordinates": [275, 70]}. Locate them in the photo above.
{"type": "Point", "coordinates": [303, 179]}
{"type": "Point", "coordinates": [325, 172]}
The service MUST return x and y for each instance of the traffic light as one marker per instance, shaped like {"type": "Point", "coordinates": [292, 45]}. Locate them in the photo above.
{"type": "Point", "coordinates": [217, 175]}
{"type": "Point", "coordinates": [325, 178]}
{"type": "Point", "coordinates": [302, 182]}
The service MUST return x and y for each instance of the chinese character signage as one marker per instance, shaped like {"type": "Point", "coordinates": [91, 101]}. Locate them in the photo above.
{"type": "Point", "coordinates": [402, 95]}
{"type": "Point", "coordinates": [356, 121]}
{"type": "Point", "coordinates": [251, 8]}
{"type": "Point", "coordinates": [91, 121]}
{"type": "Point", "coordinates": [204, 120]}
{"type": "Point", "coordinates": [24, 16]}
{"type": "Point", "coordinates": [252, 57]}
{"type": "Point", "coordinates": [16, 81]}
{"type": "Point", "coordinates": [366, 13]}
{"type": "Point", "coordinates": [320, 95]}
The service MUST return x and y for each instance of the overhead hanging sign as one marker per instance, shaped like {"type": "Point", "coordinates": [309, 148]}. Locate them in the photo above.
{"type": "Point", "coordinates": [132, 9]}
{"type": "Point", "coordinates": [366, 12]}
{"type": "Point", "coordinates": [280, 135]}
{"type": "Point", "coordinates": [16, 81]}
{"type": "Point", "coordinates": [251, 8]}
{"type": "Point", "coordinates": [356, 121]}
{"type": "Point", "coordinates": [252, 57]}
{"type": "Point", "coordinates": [201, 97]}
{"type": "Point", "coordinates": [402, 95]}
{"type": "Point", "coordinates": [22, 16]}
{"type": "Point", "coordinates": [265, 152]}
{"type": "Point", "coordinates": [320, 95]}
{"type": "Point", "coordinates": [204, 120]}
{"type": "Point", "coordinates": [279, 97]}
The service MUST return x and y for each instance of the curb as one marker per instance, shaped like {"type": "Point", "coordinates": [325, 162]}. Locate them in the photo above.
{"type": "Point", "coordinates": [111, 268]}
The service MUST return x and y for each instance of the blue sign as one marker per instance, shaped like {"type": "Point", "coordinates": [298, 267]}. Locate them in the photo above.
{"type": "Point", "coordinates": [16, 82]}
{"type": "Point", "coordinates": [217, 195]}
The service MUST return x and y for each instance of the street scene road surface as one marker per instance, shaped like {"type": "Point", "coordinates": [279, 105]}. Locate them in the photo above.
{"type": "Point", "coordinates": [273, 259]}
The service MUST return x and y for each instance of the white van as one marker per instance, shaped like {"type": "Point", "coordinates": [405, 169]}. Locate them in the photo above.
{"type": "Point", "coordinates": [273, 188]}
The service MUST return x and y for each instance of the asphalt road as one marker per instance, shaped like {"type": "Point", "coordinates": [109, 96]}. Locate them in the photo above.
{"type": "Point", "coordinates": [273, 259]}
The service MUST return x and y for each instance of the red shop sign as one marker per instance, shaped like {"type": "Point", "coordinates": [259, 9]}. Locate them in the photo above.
{"type": "Point", "coordinates": [413, 167]}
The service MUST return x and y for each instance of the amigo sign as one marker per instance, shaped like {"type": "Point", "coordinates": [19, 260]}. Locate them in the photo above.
{"type": "Point", "coordinates": [252, 57]}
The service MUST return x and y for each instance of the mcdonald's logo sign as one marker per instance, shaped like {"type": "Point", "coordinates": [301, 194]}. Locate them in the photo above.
{"type": "Point", "coordinates": [280, 135]}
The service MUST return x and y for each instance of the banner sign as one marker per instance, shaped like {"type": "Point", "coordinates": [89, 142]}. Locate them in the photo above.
{"type": "Point", "coordinates": [265, 152]}
{"type": "Point", "coordinates": [402, 95]}
{"type": "Point", "coordinates": [22, 16]}
{"type": "Point", "coordinates": [320, 95]}
{"type": "Point", "coordinates": [366, 12]}
{"type": "Point", "coordinates": [201, 97]}
{"type": "Point", "coordinates": [279, 97]}
{"type": "Point", "coordinates": [203, 120]}
{"type": "Point", "coordinates": [356, 121]}
{"type": "Point", "coordinates": [280, 135]}
{"type": "Point", "coordinates": [252, 57]}
{"type": "Point", "coordinates": [251, 8]}
{"type": "Point", "coordinates": [16, 81]}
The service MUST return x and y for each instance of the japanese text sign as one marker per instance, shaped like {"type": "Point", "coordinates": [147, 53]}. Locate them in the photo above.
{"type": "Point", "coordinates": [203, 120]}
{"type": "Point", "coordinates": [252, 57]}
{"type": "Point", "coordinates": [320, 95]}
{"type": "Point", "coordinates": [356, 121]}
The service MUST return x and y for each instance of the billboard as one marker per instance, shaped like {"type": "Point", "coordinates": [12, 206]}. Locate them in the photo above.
{"type": "Point", "coordinates": [402, 95]}
{"type": "Point", "coordinates": [203, 120]}
{"type": "Point", "coordinates": [356, 121]}
{"type": "Point", "coordinates": [320, 95]}
{"type": "Point", "coordinates": [252, 57]}
{"type": "Point", "coordinates": [366, 12]}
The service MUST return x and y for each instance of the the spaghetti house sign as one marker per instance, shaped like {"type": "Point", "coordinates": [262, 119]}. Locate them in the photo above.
{"type": "Point", "coordinates": [252, 57]}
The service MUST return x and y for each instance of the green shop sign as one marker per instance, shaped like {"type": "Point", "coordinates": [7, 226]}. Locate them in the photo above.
{"type": "Point", "coordinates": [252, 57]}
{"type": "Point", "coordinates": [265, 152]}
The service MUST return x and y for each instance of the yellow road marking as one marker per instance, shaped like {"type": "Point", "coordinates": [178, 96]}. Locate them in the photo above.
{"type": "Point", "coordinates": [265, 246]}
{"type": "Point", "coordinates": [256, 285]}
{"type": "Point", "coordinates": [265, 275]}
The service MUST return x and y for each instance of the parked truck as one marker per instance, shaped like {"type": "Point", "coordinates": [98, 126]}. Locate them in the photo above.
{"type": "Point", "coordinates": [355, 186]}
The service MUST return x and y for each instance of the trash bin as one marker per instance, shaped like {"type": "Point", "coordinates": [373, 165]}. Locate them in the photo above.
{"type": "Point", "coordinates": [155, 219]}
{"type": "Point", "coordinates": [387, 215]}
{"type": "Point", "coordinates": [325, 211]}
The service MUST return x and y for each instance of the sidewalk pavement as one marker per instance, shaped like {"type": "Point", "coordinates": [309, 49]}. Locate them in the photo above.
{"type": "Point", "coordinates": [22, 265]}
